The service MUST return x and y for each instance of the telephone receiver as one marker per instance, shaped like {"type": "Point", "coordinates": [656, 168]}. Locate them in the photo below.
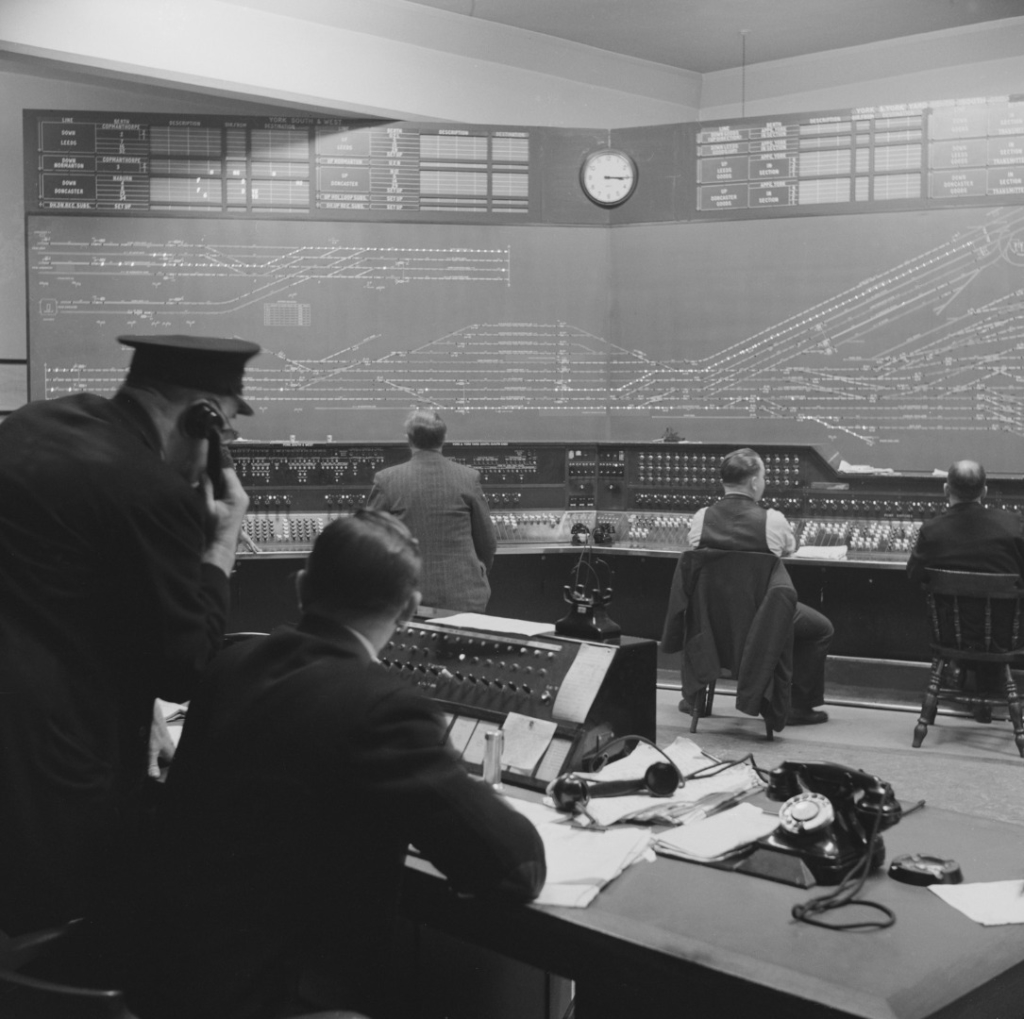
{"type": "Point", "coordinates": [571, 792]}
{"type": "Point", "coordinates": [204, 420]}
{"type": "Point", "coordinates": [830, 817]}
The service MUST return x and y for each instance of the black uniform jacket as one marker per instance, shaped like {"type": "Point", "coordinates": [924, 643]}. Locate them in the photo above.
{"type": "Point", "coordinates": [104, 604]}
{"type": "Point", "coordinates": [303, 774]}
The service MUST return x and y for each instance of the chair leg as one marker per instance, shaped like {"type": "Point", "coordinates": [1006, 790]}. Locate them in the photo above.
{"type": "Point", "coordinates": [768, 731]}
{"type": "Point", "coordinates": [709, 696]}
{"type": "Point", "coordinates": [1013, 703]}
{"type": "Point", "coordinates": [698, 708]}
{"type": "Point", "coordinates": [931, 701]}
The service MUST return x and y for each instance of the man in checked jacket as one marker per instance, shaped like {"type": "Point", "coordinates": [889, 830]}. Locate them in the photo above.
{"type": "Point", "coordinates": [443, 505]}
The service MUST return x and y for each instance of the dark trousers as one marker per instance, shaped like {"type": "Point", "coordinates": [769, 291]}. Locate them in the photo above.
{"type": "Point", "coordinates": [812, 635]}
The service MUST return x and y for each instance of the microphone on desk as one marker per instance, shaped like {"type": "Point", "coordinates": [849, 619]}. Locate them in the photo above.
{"type": "Point", "coordinates": [570, 792]}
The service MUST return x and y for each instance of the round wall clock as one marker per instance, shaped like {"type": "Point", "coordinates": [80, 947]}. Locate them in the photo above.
{"type": "Point", "coordinates": [608, 177]}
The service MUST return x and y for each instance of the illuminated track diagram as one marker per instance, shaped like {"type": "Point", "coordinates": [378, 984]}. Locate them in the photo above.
{"type": "Point", "coordinates": [935, 343]}
{"type": "Point", "coordinates": [242, 275]}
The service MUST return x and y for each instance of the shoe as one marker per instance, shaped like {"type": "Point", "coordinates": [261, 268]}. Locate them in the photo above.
{"type": "Point", "coordinates": [685, 707]}
{"type": "Point", "coordinates": [982, 713]}
{"type": "Point", "coordinates": [806, 717]}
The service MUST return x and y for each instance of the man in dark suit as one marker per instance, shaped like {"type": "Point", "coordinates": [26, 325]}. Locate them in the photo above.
{"type": "Point", "coordinates": [736, 522]}
{"type": "Point", "coordinates": [115, 555]}
{"type": "Point", "coordinates": [969, 537]}
{"type": "Point", "coordinates": [443, 505]}
{"type": "Point", "coordinates": [305, 770]}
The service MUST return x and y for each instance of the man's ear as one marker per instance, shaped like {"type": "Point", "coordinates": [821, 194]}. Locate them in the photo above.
{"type": "Point", "coordinates": [409, 609]}
{"type": "Point", "coordinates": [301, 585]}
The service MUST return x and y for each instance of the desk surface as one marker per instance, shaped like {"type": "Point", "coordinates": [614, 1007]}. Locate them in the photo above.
{"type": "Point", "coordinates": [673, 933]}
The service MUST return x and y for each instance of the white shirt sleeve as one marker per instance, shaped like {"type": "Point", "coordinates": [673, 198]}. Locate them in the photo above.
{"type": "Point", "coordinates": [779, 534]}
{"type": "Point", "coordinates": [696, 526]}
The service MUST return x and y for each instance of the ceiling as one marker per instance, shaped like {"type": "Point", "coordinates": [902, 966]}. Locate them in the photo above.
{"type": "Point", "coordinates": [715, 35]}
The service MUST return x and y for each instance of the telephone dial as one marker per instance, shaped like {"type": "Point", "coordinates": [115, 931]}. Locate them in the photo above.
{"type": "Point", "coordinates": [830, 817]}
{"type": "Point", "coordinates": [204, 420]}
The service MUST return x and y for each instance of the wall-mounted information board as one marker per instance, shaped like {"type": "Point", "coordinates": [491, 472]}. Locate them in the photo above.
{"type": "Point", "coordinates": [894, 334]}
{"type": "Point", "coordinates": [920, 152]}
{"type": "Point", "coordinates": [100, 162]}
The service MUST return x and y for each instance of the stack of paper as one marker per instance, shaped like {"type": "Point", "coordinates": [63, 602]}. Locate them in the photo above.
{"type": "Point", "coordinates": [821, 552]}
{"type": "Point", "coordinates": [696, 798]}
{"type": "Point", "coordinates": [580, 862]}
{"type": "Point", "coordinates": [717, 837]}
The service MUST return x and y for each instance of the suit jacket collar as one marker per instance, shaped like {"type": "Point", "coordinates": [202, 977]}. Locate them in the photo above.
{"type": "Point", "coordinates": [326, 627]}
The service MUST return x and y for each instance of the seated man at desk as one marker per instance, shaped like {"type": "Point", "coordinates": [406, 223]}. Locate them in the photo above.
{"type": "Point", "coordinates": [971, 537]}
{"type": "Point", "coordinates": [737, 523]}
{"type": "Point", "coordinates": [305, 769]}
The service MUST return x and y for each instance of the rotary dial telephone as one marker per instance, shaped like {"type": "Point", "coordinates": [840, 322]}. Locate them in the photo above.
{"type": "Point", "coordinates": [829, 816]}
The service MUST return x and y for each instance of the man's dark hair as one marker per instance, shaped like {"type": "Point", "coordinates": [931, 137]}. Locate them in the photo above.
{"type": "Point", "coordinates": [966, 480]}
{"type": "Point", "coordinates": [425, 429]}
{"type": "Point", "coordinates": [364, 563]}
{"type": "Point", "coordinates": [739, 465]}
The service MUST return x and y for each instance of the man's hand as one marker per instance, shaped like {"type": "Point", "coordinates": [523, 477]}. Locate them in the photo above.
{"type": "Point", "coordinates": [228, 515]}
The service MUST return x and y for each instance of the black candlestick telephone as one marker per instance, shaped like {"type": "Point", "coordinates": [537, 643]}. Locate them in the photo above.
{"type": "Point", "coordinates": [204, 420]}
{"type": "Point", "coordinates": [829, 816]}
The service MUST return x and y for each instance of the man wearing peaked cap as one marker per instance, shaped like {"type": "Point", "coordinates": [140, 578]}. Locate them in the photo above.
{"type": "Point", "coordinates": [195, 362]}
{"type": "Point", "coordinates": [115, 554]}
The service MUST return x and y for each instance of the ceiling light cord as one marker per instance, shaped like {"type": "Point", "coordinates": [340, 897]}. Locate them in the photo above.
{"type": "Point", "coordinates": [743, 72]}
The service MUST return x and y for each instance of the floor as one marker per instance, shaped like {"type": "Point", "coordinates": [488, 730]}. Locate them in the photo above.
{"type": "Point", "coordinates": [962, 765]}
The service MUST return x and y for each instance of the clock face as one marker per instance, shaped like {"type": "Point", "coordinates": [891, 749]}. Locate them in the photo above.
{"type": "Point", "coordinates": [608, 177]}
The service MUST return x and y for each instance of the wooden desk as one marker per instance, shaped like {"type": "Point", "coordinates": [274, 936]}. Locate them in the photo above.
{"type": "Point", "coordinates": [683, 938]}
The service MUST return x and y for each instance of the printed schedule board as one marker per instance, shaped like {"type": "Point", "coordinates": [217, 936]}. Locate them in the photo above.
{"type": "Point", "coordinates": [133, 164]}
{"type": "Point", "coordinates": [889, 328]}
{"type": "Point", "coordinates": [922, 153]}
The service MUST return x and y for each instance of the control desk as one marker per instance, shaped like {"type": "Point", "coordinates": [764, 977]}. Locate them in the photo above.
{"type": "Point", "coordinates": [637, 496]}
{"type": "Point", "coordinates": [584, 694]}
{"type": "Point", "coordinates": [628, 507]}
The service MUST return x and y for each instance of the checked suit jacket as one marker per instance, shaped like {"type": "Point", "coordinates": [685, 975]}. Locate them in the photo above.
{"type": "Point", "coordinates": [443, 505]}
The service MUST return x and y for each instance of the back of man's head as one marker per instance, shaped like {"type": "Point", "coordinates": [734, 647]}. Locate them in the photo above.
{"type": "Point", "coordinates": [965, 481]}
{"type": "Point", "coordinates": [361, 565]}
{"type": "Point", "coordinates": [739, 466]}
{"type": "Point", "coordinates": [425, 429]}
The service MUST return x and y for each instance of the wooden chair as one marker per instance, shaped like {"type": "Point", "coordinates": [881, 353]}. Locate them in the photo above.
{"type": "Point", "coordinates": [975, 619]}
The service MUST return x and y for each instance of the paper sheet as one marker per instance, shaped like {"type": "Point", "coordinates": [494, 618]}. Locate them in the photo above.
{"type": "Point", "coordinates": [990, 903]}
{"type": "Point", "coordinates": [526, 739]}
{"type": "Point", "coordinates": [582, 682]}
{"type": "Point", "coordinates": [579, 862]}
{"type": "Point", "coordinates": [494, 624]}
{"type": "Point", "coordinates": [717, 836]}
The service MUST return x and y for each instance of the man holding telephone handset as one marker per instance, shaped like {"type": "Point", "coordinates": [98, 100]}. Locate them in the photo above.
{"type": "Point", "coordinates": [115, 554]}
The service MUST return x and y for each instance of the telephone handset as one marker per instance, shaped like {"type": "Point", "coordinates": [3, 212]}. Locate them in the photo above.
{"type": "Point", "coordinates": [829, 816]}
{"type": "Point", "coordinates": [204, 420]}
